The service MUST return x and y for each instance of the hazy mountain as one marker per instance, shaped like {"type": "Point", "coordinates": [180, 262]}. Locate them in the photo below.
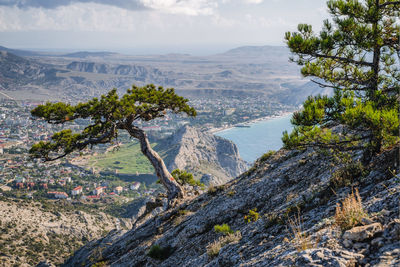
{"type": "Point", "coordinates": [245, 71]}
{"type": "Point", "coordinates": [85, 54]}
{"type": "Point", "coordinates": [19, 52]}
{"type": "Point", "coordinates": [17, 71]}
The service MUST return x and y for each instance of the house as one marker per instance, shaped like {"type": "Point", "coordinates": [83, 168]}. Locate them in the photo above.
{"type": "Point", "coordinates": [99, 190]}
{"type": "Point", "coordinates": [20, 180]}
{"type": "Point", "coordinates": [61, 195]}
{"type": "Point", "coordinates": [118, 190]}
{"type": "Point", "coordinates": [76, 191]}
{"type": "Point", "coordinates": [135, 186]}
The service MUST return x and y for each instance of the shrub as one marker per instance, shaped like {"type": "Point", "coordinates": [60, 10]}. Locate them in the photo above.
{"type": "Point", "coordinates": [214, 248]}
{"type": "Point", "coordinates": [184, 177]}
{"type": "Point", "coordinates": [252, 216]}
{"type": "Point", "coordinates": [214, 190]}
{"type": "Point", "coordinates": [160, 253]}
{"type": "Point", "coordinates": [300, 239]}
{"type": "Point", "coordinates": [100, 264]}
{"type": "Point", "coordinates": [272, 219]}
{"type": "Point", "coordinates": [231, 193]}
{"type": "Point", "coordinates": [351, 212]}
{"type": "Point", "coordinates": [225, 229]}
{"type": "Point", "coordinates": [347, 175]}
{"type": "Point", "coordinates": [267, 156]}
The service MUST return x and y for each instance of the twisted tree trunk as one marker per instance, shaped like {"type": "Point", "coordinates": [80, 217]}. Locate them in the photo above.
{"type": "Point", "coordinates": [175, 191]}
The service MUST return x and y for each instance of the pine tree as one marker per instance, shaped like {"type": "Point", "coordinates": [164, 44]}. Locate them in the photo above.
{"type": "Point", "coordinates": [107, 116]}
{"type": "Point", "coordinates": [358, 55]}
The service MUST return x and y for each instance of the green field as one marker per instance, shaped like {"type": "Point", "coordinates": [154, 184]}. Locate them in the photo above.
{"type": "Point", "coordinates": [126, 159]}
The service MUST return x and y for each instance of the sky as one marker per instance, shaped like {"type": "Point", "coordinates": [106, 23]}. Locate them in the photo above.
{"type": "Point", "coordinates": [153, 26]}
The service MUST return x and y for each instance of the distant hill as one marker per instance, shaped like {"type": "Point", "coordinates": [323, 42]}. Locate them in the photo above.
{"type": "Point", "coordinates": [17, 71]}
{"type": "Point", "coordinates": [18, 52]}
{"type": "Point", "coordinates": [250, 71]}
{"type": "Point", "coordinates": [265, 52]}
{"type": "Point", "coordinates": [85, 54]}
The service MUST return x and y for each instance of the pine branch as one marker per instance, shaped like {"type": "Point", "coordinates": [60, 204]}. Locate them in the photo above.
{"type": "Point", "coordinates": [389, 3]}
{"type": "Point", "coordinates": [343, 59]}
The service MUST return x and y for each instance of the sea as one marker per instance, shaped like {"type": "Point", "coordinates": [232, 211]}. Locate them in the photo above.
{"type": "Point", "coordinates": [259, 138]}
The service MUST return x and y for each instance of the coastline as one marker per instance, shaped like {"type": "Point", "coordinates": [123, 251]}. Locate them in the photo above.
{"type": "Point", "coordinates": [266, 118]}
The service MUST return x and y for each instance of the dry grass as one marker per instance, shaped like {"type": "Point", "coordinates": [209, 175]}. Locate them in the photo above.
{"type": "Point", "coordinates": [300, 239]}
{"type": "Point", "coordinates": [351, 212]}
{"type": "Point", "coordinates": [214, 248]}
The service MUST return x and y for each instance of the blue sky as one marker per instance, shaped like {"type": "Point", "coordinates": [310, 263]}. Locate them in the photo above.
{"type": "Point", "coordinates": [153, 26]}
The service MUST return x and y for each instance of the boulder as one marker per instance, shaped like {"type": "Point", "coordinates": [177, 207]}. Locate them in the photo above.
{"type": "Point", "coordinates": [362, 233]}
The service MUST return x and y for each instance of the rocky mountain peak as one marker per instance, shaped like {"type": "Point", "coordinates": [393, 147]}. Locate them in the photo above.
{"type": "Point", "coordinates": [203, 154]}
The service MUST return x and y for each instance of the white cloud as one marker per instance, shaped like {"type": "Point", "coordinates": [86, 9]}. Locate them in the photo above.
{"type": "Point", "coordinates": [78, 17]}
{"type": "Point", "coordinates": [253, 1]}
{"type": "Point", "coordinates": [188, 7]}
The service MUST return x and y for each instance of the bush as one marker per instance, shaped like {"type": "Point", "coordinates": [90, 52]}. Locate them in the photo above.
{"type": "Point", "coordinates": [266, 156]}
{"type": "Point", "coordinates": [160, 253]}
{"type": "Point", "coordinates": [351, 212]}
{"type": "Point", "coordinates": [214, 248]}
{"type": "Point", "coordinates": [184, 177]}
{"type": "Point", "coordinates": [347, 175]}
{"type": "Point", "coordinates": [252, 216]}
{"type": "Point", "coordinates": [214, 190]}
{"type": "Point", "coordinates": [301, 240]}
{"type": "Point", "coordinates": [225, 229]}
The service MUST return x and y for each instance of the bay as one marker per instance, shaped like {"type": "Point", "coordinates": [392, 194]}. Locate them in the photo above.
{"type": "Point", "coordinates": [260, 137]}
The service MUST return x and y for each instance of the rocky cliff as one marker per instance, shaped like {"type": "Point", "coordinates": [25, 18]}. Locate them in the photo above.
{"type": "Point", "coordinates": [211, 158]}
{"type": "Point", "coordinates": [33, 231]}
{"type": "Point", "coordinates": [281, 213]}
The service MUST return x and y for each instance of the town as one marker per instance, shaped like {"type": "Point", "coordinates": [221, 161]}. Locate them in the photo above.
{"type": "Point", "coordinates": [22, 176]}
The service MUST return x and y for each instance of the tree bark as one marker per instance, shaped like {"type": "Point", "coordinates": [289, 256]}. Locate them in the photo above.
{"type": "Point", "coordinates": [175, 191]}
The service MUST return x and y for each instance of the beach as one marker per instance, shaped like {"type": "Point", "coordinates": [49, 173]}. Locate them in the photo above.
{"type": "Point", "coordinates": [250, 122]}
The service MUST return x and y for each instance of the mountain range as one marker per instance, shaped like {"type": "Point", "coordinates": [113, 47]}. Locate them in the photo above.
{"type": "Point", "coordinates": [246, 71]}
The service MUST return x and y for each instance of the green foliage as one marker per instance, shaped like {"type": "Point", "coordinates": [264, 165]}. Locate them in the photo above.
{"type": "Point", "coordinates": [160, 253]}
{"type": "Point", "coordinates": [267, 156]}
{"type": "Point", "coordinates": [214, 190]}
{"type": "Point", "coordinates": [107, 115]}
{"type": "Point", "coordinates": [100, 264]}
{"type": "Point", "coordinates": [356, 56]}
{"type": "Point", "coordinates": [347, 175]}
{"type": "Point", "coordinates": [183, 177]}
{"type": "Point", "coordinates": [252, 216]}
{"type": "Point", "coordinates": [223, 229]}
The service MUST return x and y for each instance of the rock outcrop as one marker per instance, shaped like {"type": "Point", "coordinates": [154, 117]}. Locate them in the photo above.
{"type": "Point", "coordinates": [203, 154]}
{"type": "Point", "coordinates": [33, 231]}
{"type": "Point", "coordinates": [262, 207]}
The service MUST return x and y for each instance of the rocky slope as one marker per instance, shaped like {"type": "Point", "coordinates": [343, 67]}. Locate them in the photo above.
{"type": "Point", "coordinates": [33, 231]}
{"type": "Point", "coordinates": [16, 71]}
{"type": "Point", "coordinates": [211, 158]}
{"type": "Point", "coordinates": [285, 188]}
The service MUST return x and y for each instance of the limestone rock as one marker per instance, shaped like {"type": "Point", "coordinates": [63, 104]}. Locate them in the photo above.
{"type": "Point", "coordinates": [361, 233]}
{"type": "Point", "coordinates": [275, 187]}
{"type": "Point", "coordinates": [202, 154]}
{"type": "Point", "coordinates": [325, 257]}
